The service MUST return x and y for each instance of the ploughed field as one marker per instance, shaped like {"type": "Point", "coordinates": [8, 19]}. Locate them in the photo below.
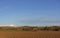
{"type": "Point", "coordinates": [29, 34]}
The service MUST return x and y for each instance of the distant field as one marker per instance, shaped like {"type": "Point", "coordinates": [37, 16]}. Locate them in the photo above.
{"type": "Point", "coordinates": [29, 34]}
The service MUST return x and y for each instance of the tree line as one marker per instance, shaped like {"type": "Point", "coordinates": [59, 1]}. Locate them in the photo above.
{"type": "Point", "coordinates": [32, 28]}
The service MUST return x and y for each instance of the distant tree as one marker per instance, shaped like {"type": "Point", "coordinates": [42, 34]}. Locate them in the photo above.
{"type": "Point", "coordinates": [45, 28]}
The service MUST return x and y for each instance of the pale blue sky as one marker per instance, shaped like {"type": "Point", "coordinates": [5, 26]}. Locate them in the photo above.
{"type": "Point", "coordinates": [30, 12]}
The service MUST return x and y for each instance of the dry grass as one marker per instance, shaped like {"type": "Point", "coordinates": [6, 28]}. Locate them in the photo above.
{"type": "Point", "coordinates": [29, 34]}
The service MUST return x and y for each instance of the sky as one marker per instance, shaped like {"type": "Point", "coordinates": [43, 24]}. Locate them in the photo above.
{"type": "Point", "coordinates": [30, 12]}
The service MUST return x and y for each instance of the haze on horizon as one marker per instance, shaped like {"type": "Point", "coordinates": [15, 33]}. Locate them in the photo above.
{"type": "Point", "coordinates": [30, 12]}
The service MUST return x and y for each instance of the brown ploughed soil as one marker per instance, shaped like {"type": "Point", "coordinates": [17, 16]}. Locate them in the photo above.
{"type": "Point", "coordinates": [29, 34]}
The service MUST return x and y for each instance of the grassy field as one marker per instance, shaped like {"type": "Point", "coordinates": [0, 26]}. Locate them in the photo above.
{"type": "Point", "coordinates": [29, 34]}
